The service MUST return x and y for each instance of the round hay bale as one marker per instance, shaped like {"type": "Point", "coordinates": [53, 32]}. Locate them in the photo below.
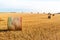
{"type": "Point", "coordinates": [14, 23]}
{"type": "Point", "coordinates": [37, 12]}
{"type": "Point", "coordinates": [53, 14]}
{"type": "Point", "coordinates": [49, 17]}
{"type": "Point", "coordinates": [31, 12]}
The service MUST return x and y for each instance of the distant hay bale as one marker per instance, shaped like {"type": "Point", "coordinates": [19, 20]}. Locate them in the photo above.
{"type": "Point", "coordinates": [53, 14]}
{"type": "Point", "coordinates": [49, 15]}
{"type": "Point", "coordinates": [37, 12]}
{"type": "Point", "coordinates": [21, 12]}
{"type": "Point", "coordinates": [31, 12]}
{"type": "Point", "coordinates": [43, 12]}
{"type": "Point", "coordinates": [12, 12]}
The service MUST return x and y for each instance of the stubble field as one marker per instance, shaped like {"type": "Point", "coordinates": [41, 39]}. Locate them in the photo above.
{"type": "Point", "coordinates": [34, 27]}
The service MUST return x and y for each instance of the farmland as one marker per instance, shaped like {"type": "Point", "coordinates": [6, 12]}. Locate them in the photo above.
{"type": "Point", "coordinates": [34, 27]}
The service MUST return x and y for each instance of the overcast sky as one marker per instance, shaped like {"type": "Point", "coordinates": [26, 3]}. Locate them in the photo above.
{"type": "Point", "coordinates": [30, 5]}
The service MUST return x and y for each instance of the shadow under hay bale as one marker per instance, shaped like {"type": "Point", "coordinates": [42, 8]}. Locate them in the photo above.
{"type": "Point", "coordinates": [3, 30]}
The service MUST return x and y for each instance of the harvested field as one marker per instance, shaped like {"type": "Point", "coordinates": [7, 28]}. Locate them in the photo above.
{"type": "Point", "coordinates": [34, 27]}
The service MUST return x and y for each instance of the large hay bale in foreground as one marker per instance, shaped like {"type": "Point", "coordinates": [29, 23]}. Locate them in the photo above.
{"type": "Point", "coordinates": [12, 23]}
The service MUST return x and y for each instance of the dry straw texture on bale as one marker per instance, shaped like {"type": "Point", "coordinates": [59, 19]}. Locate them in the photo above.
{"type": "Point", "coordinates": [34, 27]}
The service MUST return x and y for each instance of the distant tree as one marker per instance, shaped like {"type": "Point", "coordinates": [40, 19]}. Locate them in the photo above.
{"type": "Point", "coordinates": [49, 13]}
{"type": "Point", "coordinates": [58, 13]}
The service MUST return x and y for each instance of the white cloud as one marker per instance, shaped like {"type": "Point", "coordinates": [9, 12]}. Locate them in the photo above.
{"type": "Point", "coordinates": [41, 6]}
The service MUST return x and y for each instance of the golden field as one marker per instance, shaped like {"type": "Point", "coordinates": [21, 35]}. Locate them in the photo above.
{"type": "Point", "coordinates": [34, 27]}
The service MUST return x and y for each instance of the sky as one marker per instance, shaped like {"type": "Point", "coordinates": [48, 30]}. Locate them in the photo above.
{"type": "Point", "coordinates": [52, 6]}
